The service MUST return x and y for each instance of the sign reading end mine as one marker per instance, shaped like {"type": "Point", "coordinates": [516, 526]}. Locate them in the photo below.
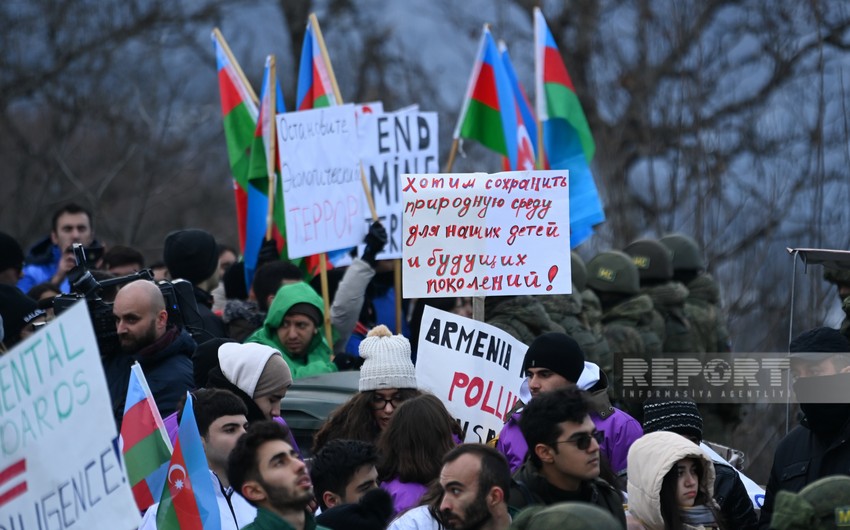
{"type": "Point", "coordinates": [476, 234]}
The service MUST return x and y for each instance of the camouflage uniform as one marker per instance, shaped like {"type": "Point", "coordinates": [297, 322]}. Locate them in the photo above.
{"type": "Point", "coordinates": [566, 310]}
{"type": "Point", "coordinates": [634, 314]}
{"type": "Point", "coordinates": [669, 300]}
{"type": "Point", "coordinates": [655, 267]}
{"type": "Point", "coordinates": [626, 324]}
{"type": "Point", "coordinates": [523, 317]}
{"type": "Point", "coordinates": [702, 308]}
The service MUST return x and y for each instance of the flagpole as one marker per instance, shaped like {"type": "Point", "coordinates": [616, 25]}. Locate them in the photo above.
{"type": "Point", "coordinates": [223, 43]}
{"type": "Point", "coordinates": [452, 155]}
{"type": "Point", "coordinates": [271, 150]}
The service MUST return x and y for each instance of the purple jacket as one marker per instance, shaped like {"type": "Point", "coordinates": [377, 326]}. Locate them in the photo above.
{"type": "Point", "coordinates": [404, 494]}
{"type": "Point", "coordinates": [171, 428]}
{"type": "Point", "coordinates": [620, 429]}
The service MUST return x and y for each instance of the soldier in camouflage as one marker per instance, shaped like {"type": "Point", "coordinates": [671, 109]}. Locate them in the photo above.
{"type": "Point", "coordinates": [566, 310]}
{"type": "Point", "coordinates": [523, 317]}
{"type": "Point", "coordinates": [626, 314]}
{"type": "Point", "coordinates": [702, 307]}
{"type": "Point", "coordinates": [655, 267]}
{"type": "Point", "coordinates": [841, 279]}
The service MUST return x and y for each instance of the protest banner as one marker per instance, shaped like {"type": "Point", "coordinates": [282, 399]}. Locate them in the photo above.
{"type": "Point", "coordinates": [476, 234]}
{"type": "Point", "coordinates": [474, 368]}
{"type": "Point", "coordinates": [320, 177]}
{"type": "Point", "coordinates": [392, 144]}
{"type": "Point", "coordinates": [60, 466]}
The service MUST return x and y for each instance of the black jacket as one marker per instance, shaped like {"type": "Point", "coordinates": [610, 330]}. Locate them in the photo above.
{"type": "Point", "coordinates": [803, 457]}
{"type": "Point", "coordinates": [167, 365]}
{"type": "Point", "coordinates": [529, 487]}
{"type": "Point", "coordinates": [731, 494]}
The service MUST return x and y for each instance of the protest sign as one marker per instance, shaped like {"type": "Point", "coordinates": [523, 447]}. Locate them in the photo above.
{"type": "Point", "coordinates": [393, 144]}
{"type": "Point", "coordinates": [476, 234]}
{"type": "Point", "coordinates": [320, 180]}
{"type": "Point", "coordinates": [60, 465]}
{"type": "Point", "coordinates": [474, 368]}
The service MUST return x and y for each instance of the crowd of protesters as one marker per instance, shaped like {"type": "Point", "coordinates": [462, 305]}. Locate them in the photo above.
{"type": "Point", "coordinates": [574, 455]}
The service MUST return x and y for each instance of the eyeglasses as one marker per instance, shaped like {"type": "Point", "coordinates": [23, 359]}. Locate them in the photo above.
{"type": "Point", "coordinates": [582, 440]}
{"type": "Point", "coordinates": [379, 403]}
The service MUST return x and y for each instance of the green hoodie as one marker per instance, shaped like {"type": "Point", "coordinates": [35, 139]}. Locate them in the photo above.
{"type": "Point", "coordinates": [318, 358]}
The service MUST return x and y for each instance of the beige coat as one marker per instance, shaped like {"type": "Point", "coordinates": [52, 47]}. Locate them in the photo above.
{"type": "Point", "coordinates": [650, 458]}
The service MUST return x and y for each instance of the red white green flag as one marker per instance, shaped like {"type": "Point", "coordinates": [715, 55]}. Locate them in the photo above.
{"type": "Point", "coordinates": [144, 441]}
{"type": "Point", "coordinates": [239, 110]}
{"type": "Point", "coordinates": [489, 114]}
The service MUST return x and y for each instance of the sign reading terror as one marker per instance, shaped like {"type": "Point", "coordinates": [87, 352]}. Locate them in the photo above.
{"type": "Point", "coordinates": [60, 466]}
{"type": "Point", "coordinates": [474, 368]}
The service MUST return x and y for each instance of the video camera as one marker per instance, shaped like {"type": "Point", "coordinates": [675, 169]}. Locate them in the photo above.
{"type": "Point", "coordinates": [179, 298]}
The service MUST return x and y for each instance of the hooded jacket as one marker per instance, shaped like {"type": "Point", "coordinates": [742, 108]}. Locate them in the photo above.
{"type": "Point", "coordinates": [317, 360]}
{"type": "Point", "coordinates": [650, 458]}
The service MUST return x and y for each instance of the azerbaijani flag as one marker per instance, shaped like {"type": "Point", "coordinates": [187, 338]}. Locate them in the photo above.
{"type": "Point", "coordinates": [143, 440]}
{"type": "Point", "coordinates": [489, 114]}
{"type": "Point", "coordinates": [314, 78]}
{"type": "Point", "coordinates": [188, 498]}
{"type": "Point", "coordinates": [526, 123]}
{"type": "Point", "coordinates": [567, 141]}
{"type": "Point", "coordinates": [239, 109]}
{"type": "Point", "coordinates": [264, 161]}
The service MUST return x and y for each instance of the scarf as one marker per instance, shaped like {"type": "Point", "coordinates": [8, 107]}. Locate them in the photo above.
{"type": "Point", "coordinates": [700, 515]}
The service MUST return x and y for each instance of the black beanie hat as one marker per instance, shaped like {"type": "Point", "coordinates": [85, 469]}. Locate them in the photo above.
{"type": "Point", "coordinates": [14, 307]}
{"type": "Point", "coordinates": [678, 416]}
{"type": "Point", "coordinates": [308, 310]}
{"type": "Point", "coordinates": [11, 254]}
{"type": "Point", "coordinates": [190, 254]}
{"type": "Point", "coordinates": [818, 344]}
{"type": "Point", "coordinates": [373, 512]}
{"type": "Point", "coordinates": [557, 352]}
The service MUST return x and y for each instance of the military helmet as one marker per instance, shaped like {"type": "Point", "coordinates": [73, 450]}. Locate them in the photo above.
{"type": "Point", "coordinates": [579, 271]}
{"type": "Point", "coordinates": [653, 260]}
{"type": "Point", "coordinates": [823, 504]}
{"type": "Point", "coordinates": [613, 272]}
{"type": "Point", "coordinates": [686, 253]}
{"type": "Point", "coordinates": [837, 275]}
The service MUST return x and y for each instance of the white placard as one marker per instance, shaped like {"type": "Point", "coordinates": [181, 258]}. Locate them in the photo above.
{"type": "Point", "coordinates": [320, 180]}
{"type": "Point", "coordinates": [474, 368]}
{"type": "Point", "coordinates": [60, 466]}
{"type": "Point", "coordinates": [476, 234]}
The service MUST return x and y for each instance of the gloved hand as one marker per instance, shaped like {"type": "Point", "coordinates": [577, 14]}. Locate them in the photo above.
{"type": "Point", "coordinates": [375, 241]}
{"type": "Point", "coordinates": [345, 362]}
{"type": "Point", "coordinates": [268, 252]}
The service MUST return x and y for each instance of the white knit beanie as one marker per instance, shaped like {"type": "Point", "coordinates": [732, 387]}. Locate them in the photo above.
{"type": "Point", "coordinates": [387, 361]}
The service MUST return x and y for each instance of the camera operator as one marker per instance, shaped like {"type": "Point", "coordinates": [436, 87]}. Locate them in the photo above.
{"type": "Point", "coordinates": [51, 259]}
{"type": "Point", "coordinates": [164, 351]}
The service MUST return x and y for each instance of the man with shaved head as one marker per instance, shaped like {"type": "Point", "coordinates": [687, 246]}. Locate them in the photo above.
{"type": "Point", "coordinates": [163, 350]}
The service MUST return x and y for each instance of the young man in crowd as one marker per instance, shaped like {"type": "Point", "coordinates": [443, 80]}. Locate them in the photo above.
{"type": "Point", "coordinates": [269, 474]}
{"type": "Point", "coordinates": [220, 415]}
{"type": "Point", "coordinates": [343, 471]}
{"type": "Point", "coordinates": [563, 463]}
